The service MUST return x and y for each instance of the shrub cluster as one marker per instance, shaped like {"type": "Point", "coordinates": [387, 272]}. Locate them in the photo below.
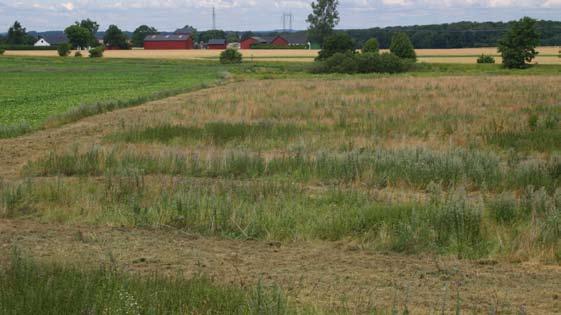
{"type": "Point", "coordinates": [230, 56]}
{"type": "Point", "coordinates": [97, 52]}
{"type": "Point", "coordinates": [362, 63]}
{"type": "Point", "coordinates": [485, 59]}
{"type": "Point", "coordinates": [77, 54]}
{"type": "Point", "coordinates": [26, 47]}
{"type": "Point", "coordinates": [64, 50]}
{"type": "Point", "coordinates": [2, 51]}
{"type": "Point", "coordinates": [338, 56]}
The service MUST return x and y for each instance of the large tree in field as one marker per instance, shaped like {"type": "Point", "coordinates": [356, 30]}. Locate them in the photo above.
{"type": "Point", "coordinates": [518, 46]}
{"type": "Point", "coordinates": [78, 36]}
{"type": "Point", "coordinates": [323, 19]}
{"type": "Point", "coordinates": [92, 27]}
{"type": "Point", "coordinates": [140, 34]}
{"type": "Point", "coordinates": [114, 37]}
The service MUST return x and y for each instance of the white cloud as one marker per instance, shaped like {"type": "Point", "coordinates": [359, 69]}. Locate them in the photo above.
{"type": "Point", "coordinates": [264, 14]}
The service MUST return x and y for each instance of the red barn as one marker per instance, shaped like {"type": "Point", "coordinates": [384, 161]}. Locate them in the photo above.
{"type": "Point", "coordinates": [280, 41]}
{"type": "Point", "coordinates": [176, 41]}
{"type": "Point", "coordinates": [217, 44]}
{"type": "Point", "coordinates": [248, 42]}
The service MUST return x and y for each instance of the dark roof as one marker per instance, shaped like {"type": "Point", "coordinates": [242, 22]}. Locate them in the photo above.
{"type": "Point", "coordinates": [55, 39]}
{"type": "Point", "coordinates": [296, 38]}
{"type": "Point", "coordinates": [184, 31]}
{"type": "Point", "coordinates": [263, 39]}
{"type": "Point", "coordinates": [215, 41]}
{"type": "Point", "coordinates": [166, 38]}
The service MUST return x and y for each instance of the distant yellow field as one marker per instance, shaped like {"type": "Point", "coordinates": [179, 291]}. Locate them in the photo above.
{"type": "Point", "coordinates": [548, 55]}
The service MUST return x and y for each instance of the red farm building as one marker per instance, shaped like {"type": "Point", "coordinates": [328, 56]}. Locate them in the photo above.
{"type": "Point", "coordinates": [248, 42]}
{"type": "Point", "coordinates": [283, 40]}
{"type": "Point", "coordinates": [217, 44]}
{"type": "Point", "coordinates": [175, 41]}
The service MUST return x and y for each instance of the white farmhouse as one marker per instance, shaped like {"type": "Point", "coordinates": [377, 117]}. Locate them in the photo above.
{"type": "Point", "coordinates": [42, 43]}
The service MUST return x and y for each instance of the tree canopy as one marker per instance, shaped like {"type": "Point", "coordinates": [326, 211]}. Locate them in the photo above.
{"type": "Point", "coordinates": [78, 36]}
{"type": "Point", "coordinates": [114, 37]}
{"type": "Point", "coordinates": [140, 34]}
{"type": "Point", "coordinates": [402, 47]}
{"type": "Point", "coordinates": [337, 43]}
{"type": "Point", "coordinates": [518, 45]}
{"type": "Point", "coordinates": [17, 35]}
{"type": "Point", "coordinates": [212, 34]}
{"type": "Point", "coordinates": [371, 46]}
{"type": "Point", "coordinates": [323, 19]}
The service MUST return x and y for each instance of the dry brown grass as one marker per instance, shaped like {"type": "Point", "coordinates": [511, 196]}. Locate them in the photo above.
{"type": "Point", "coordinates": [426, 55]}
{"type": "Point", "coordinates": [338, 116]}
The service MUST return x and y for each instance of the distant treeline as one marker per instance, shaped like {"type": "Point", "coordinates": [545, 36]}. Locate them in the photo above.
{"type": "Point", "coordinates": [455, 35]}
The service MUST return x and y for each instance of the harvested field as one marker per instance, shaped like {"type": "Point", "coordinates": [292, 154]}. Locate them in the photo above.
{"type": "Point", "coordinates": [548, 55]}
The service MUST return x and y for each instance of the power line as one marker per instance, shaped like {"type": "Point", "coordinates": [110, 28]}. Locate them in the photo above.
{"type": "Point", "coordinates": [287, 19]}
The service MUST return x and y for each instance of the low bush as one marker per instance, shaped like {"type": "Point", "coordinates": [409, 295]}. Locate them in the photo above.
{"type": "Point", "coordinates": [362, 63]}
{"type": "Point", "coordinates": [2, 51]}
{"type": "Point", "coordinates": [402, 47]}
{"type": "Point", "coordinates": [26, 47]}
{"type": "Point", "coordinates": [97, 52]}
{"type": "Point", "coordinates": [485, 59]}
{"type": "Point", "coordinates": [63, 50]}
{"type": "Point", "coordinates": [77, 54]}
{"type": "Point", "coordinates": [371, 46]}
{"type": "Point", "coordinates": [230, 56]}
{"type": "Point", "coordinates": [337, 43]}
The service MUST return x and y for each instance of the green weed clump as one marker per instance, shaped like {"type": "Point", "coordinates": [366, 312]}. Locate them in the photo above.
{"type": "Point", "coordinates": [218, 133]}
{"type": "Point", "coordinates": [14, 130]}
{"type": "Point", "coordinates": [29, 288]}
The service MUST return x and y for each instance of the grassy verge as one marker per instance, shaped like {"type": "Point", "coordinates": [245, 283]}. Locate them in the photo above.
{"type": "Point", "coordinates": [30, 288]}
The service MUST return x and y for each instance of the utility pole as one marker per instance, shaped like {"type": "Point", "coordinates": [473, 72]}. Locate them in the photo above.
{"type": "Point", "coordinates": [287, 19]}
{"type": "Point", "coordinates": [213, 19]}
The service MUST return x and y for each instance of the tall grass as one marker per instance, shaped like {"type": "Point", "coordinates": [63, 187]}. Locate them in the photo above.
{"type": "Point", "coordinates": [379, 168]}
{"type": "Point", "coordinates": [30, 288]}
{"type": "Point", "coordinates": [218, 133]}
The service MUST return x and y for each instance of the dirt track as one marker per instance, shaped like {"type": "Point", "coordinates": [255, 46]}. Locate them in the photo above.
{"type": "Point", "coordinates": [324, 273]}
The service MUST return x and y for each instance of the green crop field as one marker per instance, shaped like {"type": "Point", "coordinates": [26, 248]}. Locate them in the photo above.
{"type": "Point", "coordinates": [35, 89]}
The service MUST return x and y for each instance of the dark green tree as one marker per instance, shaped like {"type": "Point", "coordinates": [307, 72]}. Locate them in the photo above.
{"type": "Point", "coordinates": [188, 29]}
{"type": "Point", "coordinates": [402, 47]}
{"type": "Point", "coordinates": [518, 46]}
{"type": "Point", "coordinates": [323, 20]}
{"type": "Point", "coordinates": [212, 34]}
{"type": "Point", "coordinates": [17, 35]}
{"type": "Point", "coordinates": [337, 43]}
{"type": "Point", "coordinates": [232, 37]}
{"type": "Point", "coordinates": [371, 46]}
{"type": "Point", "coordinates": [78, 36]}
{"type": "Point", "coordinates": [92, 27]}
{"type": "Point", "coordinates": [140, 34]}
{"type": "Point", "coordinates": [114, 37]}
{"type": "Point", "coordinates": [247, 35]}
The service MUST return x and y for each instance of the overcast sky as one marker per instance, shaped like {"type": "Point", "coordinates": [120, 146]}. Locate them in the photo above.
{"type": "Point", "coordinates": [165, 15]}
